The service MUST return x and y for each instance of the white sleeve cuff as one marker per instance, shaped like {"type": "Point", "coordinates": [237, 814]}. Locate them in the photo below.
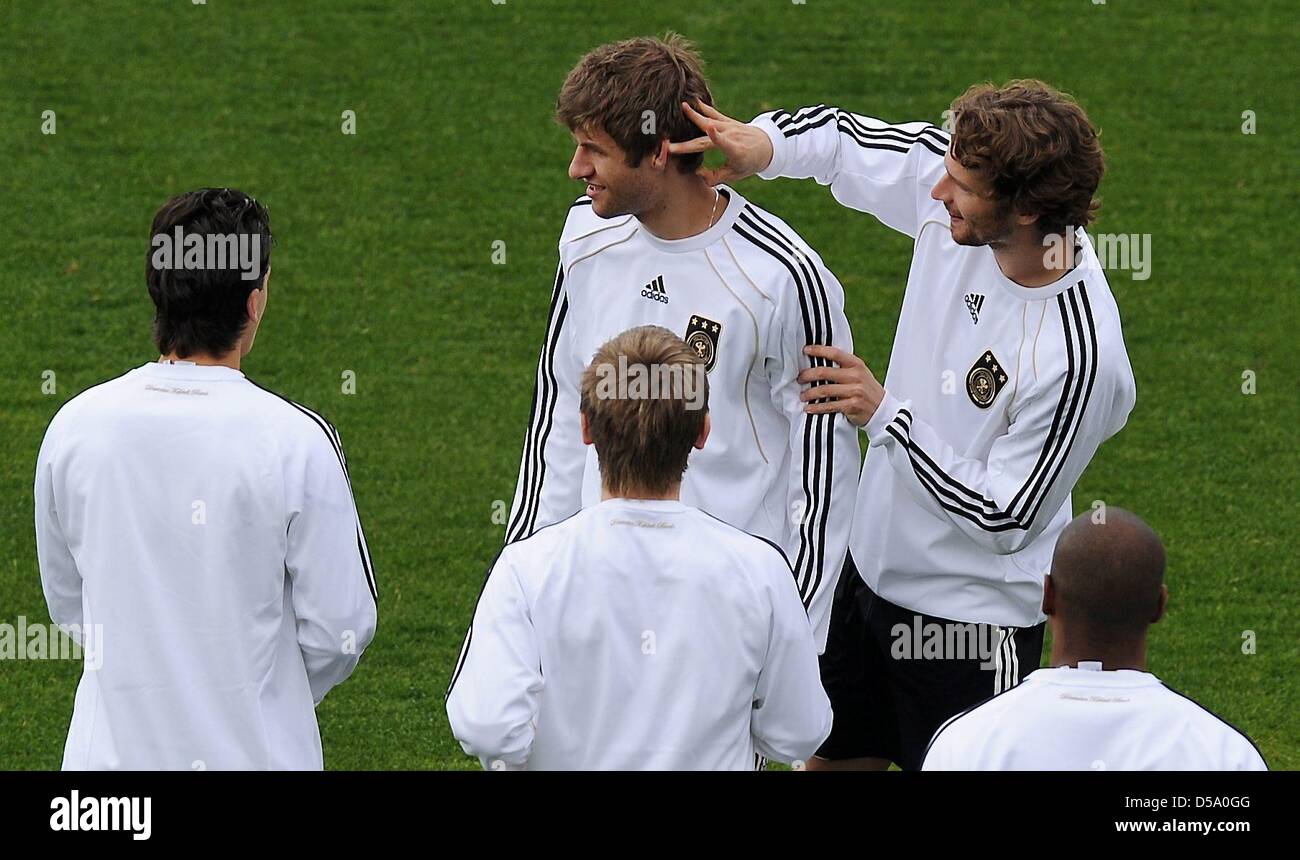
{"type": "Point", "coordinates": [875, 428]}
{"type": "Point", "coordinates": [774, 168]}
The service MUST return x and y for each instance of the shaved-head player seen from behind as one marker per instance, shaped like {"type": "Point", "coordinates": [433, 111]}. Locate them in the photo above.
{"type": "Point", "coordinates": [1106, 587]}
{"type": "Point", "coordinates": [1099, 708]}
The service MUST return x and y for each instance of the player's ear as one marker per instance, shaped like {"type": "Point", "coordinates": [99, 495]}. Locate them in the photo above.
{"type": "Point", "coordinates": [704, 432]}
{"type": "Point", "coordinates": [1160, 606]}
{"type": "Point", "coordinates": [662, 157]}
{"type": "Point", "coordinates": [1049, 595]}
{"type": "Point", "coordinates": [257, 299]}
{"type": "Point", "coordinates": [586, 430]}
{"type": "Point", "coordinates": [255, 310]}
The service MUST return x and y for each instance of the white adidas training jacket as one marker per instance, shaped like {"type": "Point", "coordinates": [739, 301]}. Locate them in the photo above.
{"type": "Point", "coordinates": [748, 294]}
{"type": "Point", "coordinates": [206, 527]}
{"type": "Point", "coordinates": [997, 396]}
{"type": "Point", "coordinates": [1090, 719]}
{"type": "Point", "coordinates": [638, 635]}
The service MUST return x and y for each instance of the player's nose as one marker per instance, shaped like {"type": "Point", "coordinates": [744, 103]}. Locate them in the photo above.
{"type": "Point", "coordinates": [579, 167]}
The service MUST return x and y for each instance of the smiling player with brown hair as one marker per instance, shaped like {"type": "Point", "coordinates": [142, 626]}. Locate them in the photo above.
{"type": "Point", "coordinates": [653, 244]}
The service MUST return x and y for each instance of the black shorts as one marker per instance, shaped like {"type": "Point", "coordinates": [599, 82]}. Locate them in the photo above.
{"type": "Point", "coordinates": [894, 676]}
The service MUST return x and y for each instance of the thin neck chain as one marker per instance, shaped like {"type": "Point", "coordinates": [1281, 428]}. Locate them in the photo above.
{"type": "Point", "coordinates": [717, 196]}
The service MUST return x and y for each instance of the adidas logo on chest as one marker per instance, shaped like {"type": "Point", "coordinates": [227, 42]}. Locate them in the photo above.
{"type": "Point", "coordinates": [655, 290]}
{"type": "Point", "coordinates": [974, 302]}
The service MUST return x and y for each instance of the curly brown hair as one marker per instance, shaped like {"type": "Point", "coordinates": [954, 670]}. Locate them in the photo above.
{"type": "Point", "coordinates": [618, 86]}
{"type": "Point", "coordinates": [1036, 147]}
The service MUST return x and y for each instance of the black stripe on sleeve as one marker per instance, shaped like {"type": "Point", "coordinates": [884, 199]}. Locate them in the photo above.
{"type": "Point", "coordinates": [890, 137]}
{"type": "Point", "coordinates": [803, 565]}
{"type": "Point", "coordinates": [818, 429]}
{"type": "Point", "coordinates": [469, 633]}
{"type": "Point", "coordinates": [545, 396]}
{"type": "Point", "coordinates": [954, 718]}
{"type": "Point", "coordinates": [1091, 330]}
{"type": "Point", "coordinates": [773, 544]}
{"type": "Point", "coordinates": [332, 435]}
{"type": "Point", "coordinates": [926, 132]}
{"type": "Point", "coordinates": [1248, 738]}
{"type": "Point", "coordinates": [800, 115]}
{"type": "Point", "coordinates": [1064, 407]}
{"type": "Point", "coordinates": [825, 423]}
{"type": "Point", "coordinates": [1081, 338]}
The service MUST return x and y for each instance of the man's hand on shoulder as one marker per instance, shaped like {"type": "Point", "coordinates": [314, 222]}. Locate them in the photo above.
{"type": "Point", "coordinates": [748, 149]}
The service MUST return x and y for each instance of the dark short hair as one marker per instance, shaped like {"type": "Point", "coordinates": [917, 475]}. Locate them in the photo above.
{"type": "Point", "coordinates": [204, 310]}
{"type": "Point", "coordinates": [613, 87]}
{"type": "Point", "coordinates": [1107, 575]}
{"type": "Point", "coordinates": [1037, 148]}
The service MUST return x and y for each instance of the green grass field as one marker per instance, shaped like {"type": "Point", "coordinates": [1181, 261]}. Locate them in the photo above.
{"type": "Point", "coordinates": [384, 267]}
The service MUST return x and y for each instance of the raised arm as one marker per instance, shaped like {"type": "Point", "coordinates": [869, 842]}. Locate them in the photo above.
{"type": "Point", "coordinates": [873, 166]}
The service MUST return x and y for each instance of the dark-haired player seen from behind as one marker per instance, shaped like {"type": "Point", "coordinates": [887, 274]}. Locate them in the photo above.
{"type": "Point", "coordinates": [197, 533]}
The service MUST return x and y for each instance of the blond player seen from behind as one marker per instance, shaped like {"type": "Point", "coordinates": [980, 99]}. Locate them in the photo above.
{"type": "Point", "coordinates": [640, 633]}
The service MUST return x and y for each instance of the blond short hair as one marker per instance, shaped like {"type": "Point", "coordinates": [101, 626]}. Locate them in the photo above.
{"type": "Point", "coordinates": [645, 396]}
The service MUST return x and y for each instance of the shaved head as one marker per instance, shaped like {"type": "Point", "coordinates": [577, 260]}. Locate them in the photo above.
{"type": "Point", "coordinates": [1107, 578]}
